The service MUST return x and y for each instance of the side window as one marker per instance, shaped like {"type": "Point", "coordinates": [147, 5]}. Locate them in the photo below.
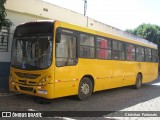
{"type": "Point", "coordinates": [154, 56]}
{"type": "Point", "coordinates": [130, 52]}
{"type": "Point", "coordinates": [103, 50]}
{"type": "Point", "coordinates": [140, 53]}
{"type": "Point", "coordinates": [148, 54]}
{"type": "Point", "coordinates": [87, 47]}
{"type": "Point", "coordinates": [66, 51]}
{"type": "Point", "coordinates": [118, 50]}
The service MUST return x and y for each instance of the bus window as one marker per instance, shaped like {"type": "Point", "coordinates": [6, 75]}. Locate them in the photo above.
{"type": "Point", "coordinates": [33, 52]}
{"type": "Point", "coordinates": [130, 52]}
{"type": "Point", "coordinates": [103, 50]}
{"type": "Point", "coordinates": [154, 56]}
{"type": "Point", "coordinates": [140, 53]}
{"type": "Point", "coordinates": [87, 49]}
{"type": "Point", "coordinates": [66, 51]}
{"type": "Point", "coordinates": [118, 50]}
{"type": "Point", "coordinates": [148, 55]}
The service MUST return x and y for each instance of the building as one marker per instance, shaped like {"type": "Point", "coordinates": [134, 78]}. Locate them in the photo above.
{"type": "Point", "coordinates": [20, 11]}
{"type": "Point", "coordinates": [24, 11]}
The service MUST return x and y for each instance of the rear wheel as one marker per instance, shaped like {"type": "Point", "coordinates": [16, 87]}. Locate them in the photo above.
{"type": "Point", "coordinates": [85, 88]}
{"type": "Point", "coordinates": [138, 83]}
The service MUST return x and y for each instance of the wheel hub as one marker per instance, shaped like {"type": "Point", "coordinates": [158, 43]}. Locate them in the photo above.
{"type": "Point", "coordinates": [85, 89]}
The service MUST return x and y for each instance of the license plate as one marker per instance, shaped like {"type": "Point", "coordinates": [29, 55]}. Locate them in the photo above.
{"type": "Point", "coordinates": [42, 91]}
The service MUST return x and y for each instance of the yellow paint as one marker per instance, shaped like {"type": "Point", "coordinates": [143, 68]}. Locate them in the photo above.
{"type": "Point", "coordinates": [64, 81]}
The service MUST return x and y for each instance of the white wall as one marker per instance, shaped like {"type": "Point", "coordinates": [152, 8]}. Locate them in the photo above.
{"type": "Point", "coordinates": [36, 7]}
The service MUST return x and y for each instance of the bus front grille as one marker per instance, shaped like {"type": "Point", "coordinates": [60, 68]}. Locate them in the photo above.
{"type": "Point", "coordinates": [29, 89]}
{"type": "Point", "coordinates": [27, 75]}
{"type": "Point", "coordinates": [25, 82]}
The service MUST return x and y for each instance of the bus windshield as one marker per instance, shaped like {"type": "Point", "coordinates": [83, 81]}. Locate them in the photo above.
{"type": "Point", "coordinates": [32, 47]}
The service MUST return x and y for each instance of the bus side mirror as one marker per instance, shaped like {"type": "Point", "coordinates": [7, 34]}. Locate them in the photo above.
{"type": "Point", "coordinates": [58, 37]}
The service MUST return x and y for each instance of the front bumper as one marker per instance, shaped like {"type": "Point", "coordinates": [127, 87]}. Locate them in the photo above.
{"type": "Point", "coordinates": [46, 91]}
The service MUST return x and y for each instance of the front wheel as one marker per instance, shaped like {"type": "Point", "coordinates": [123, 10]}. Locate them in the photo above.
{"type": "Point", "coordinates": [138, 83]}
{"type": "Point", "coordinates": [85, 88]}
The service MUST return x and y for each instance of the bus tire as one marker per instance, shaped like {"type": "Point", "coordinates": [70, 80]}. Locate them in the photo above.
{"type": "Point", "coordinates": [85, 89]}
{"type": "Point", "coordinates": [138, 83]}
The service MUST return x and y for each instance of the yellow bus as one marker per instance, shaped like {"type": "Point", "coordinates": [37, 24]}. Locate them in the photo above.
{"type": "Point", "coordinates": [52, 59]}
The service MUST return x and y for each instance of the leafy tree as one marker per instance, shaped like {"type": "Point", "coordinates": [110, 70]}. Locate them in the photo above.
{"type": "Point", "coordinates": [130, 31]}
{"type": "Point", "coordinates": [149, 32]}
{"type": "Point", "coordinates": [3, 21]}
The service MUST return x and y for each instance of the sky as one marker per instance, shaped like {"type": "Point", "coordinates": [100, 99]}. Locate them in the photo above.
{"type": "Point", "coordinates": [122, 14]}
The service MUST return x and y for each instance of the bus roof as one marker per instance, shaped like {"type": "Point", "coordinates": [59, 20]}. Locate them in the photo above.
{"type": "Point", "coordinates": [101, 27]}
{"type": "Point", "coordinates": [120, 33]}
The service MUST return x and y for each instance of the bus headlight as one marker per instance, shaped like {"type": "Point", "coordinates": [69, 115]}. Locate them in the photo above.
{"type": "Point", "coordinates": [11, 79]}
{"type": "Point", "coordinates": [43, 81]}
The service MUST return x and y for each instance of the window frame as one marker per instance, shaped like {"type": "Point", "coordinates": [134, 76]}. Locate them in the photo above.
{"type": "Point", "coordinates": [118, 50]}
{"type": "Point", "coordinates": [67, 32]}
{"type": "Point", "coordinates": [146, 54]}
{"type": "Point", "coordinates": [140, 53]}
{"type": "Point", "coordinates": [126, 51]}
{"type": "Point", "coordinates": [96, 47]}
{"type": "Point", "coordinates": [79, 45]}
{"type": "Point", "coordinates": [76, 33]}
{"type": "Point", "coordinates": [156, 56]}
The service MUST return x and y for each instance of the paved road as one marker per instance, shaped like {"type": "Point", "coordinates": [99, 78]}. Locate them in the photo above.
{"type": "Point", "coordinates": [121, 99]}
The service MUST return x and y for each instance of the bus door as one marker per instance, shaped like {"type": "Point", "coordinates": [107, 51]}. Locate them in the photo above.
{"type": "Point", "coordinates": [66, 69]}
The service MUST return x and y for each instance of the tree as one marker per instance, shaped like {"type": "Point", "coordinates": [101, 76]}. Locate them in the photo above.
{"type": "Point", "coordinates": [130, 31]}
{"type": "Point", "coordinates": [149, 32]}
{"type": "Point", "coordinates": [3, 21]}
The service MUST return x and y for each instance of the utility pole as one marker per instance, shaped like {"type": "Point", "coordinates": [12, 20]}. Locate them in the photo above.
{"type": "Point", "coordinates": [85, 7]}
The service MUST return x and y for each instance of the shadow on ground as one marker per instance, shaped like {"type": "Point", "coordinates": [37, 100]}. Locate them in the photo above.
{"type": "Point", "coordinates": [108, 100]}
